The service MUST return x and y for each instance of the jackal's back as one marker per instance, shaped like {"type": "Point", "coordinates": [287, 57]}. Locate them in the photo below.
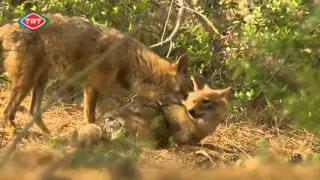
{"type": "Point", "coordinates": [69, 43]}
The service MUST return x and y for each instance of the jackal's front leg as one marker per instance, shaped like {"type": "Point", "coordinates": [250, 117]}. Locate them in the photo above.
{"type": "Point", "coordinates": [91, 96]}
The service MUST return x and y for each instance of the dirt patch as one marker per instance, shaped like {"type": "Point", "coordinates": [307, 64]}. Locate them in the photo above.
{"type": "Point", "coordinates": [230, 144]}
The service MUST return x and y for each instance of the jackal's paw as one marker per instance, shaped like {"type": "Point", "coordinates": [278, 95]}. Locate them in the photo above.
{"type": "Point", "coordinates": [3, 132]}
{"type": "Point", "coordinates": [3, 126]}
{"type": "Point", "coordinates": [295, 158]}
{"type": "Point", "coordinates": [11, 131]}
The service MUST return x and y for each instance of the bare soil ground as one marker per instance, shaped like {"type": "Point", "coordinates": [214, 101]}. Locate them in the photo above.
{"type": "Point", "coordinates": [231, 144]}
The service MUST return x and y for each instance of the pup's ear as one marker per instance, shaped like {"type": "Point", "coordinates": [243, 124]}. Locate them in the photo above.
{"type": "Point", "coordinates": [225, 92]}
{"type": "Point", "coordinates": [197, 85]}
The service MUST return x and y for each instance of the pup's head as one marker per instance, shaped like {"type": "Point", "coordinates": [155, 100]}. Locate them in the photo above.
{"type": "Point", "coordinates": [163, 81]}
{"type": "Point", "coordinates": [89, 135]}
{"type": "Point", "coordinates": [208, 107]}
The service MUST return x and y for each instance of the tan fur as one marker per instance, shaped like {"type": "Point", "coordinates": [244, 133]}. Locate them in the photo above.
{"type": "Point", "coordinates": [68, 45]}
{"type": "Point", "coordinates": [89, 135]}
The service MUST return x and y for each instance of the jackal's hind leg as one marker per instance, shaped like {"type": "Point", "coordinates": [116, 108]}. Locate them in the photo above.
{"type": "Point", "coordinates": [19, 89]}
{"type": "Point", "coordinates": [36, 102]}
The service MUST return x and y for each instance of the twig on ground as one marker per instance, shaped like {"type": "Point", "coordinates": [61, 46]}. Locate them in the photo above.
{"type": "Point", "coordinates": [77, 95]}
{"type": "Point", "coordinates": [18, 137]}
{"type": "Point", "coordinates": [149, 106]}
{"type": "Point", "coordinates": [205, 154]}
{"type": "Point", "coordinates": [129, 98]}
{"type": "Point", "coordinates": [237, 147]}
{"type": "Point", "coordinates": [215, 148]}
{"type": "Point", "coordinates": [124, 100]}
{"type": "Point", "coordinates": [180, 19]}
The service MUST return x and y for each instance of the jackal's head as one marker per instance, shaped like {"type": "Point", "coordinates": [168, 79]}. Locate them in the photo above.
{"type": "Point", "coordinates": [208, 107]}
{"type": "Point", "coordinates": [163, 81]}
{"type": "Point", "coordinates": [177, 85]}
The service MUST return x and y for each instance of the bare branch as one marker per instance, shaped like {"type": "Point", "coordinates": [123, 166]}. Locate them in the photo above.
{"type": "Point", "coordinates": [206, 23]}
{"type": "Point", "coordinates": [180, 19]}
{"type": "Point", "coordinates": [165, 26]}
{"type": "Point", "coordinates": [170, 49]}
{"type": "Point", "coordinates": [18, 137]}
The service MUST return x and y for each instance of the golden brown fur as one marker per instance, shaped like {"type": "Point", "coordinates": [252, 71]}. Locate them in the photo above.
{"type": "Point", "coordinates": [66, 46]}
{"type": "Point", "coordinates": [89, 135]}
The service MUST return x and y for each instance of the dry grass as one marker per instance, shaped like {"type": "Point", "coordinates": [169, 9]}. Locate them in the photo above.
{"type": "Point", "coordinates": [231, 144]}
{"type": "Point", "coordinates": [34, 163]}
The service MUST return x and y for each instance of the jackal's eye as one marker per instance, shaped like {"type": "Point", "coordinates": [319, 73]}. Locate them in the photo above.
{"type": "Point", "coordinates": [205, 101]}
{"type": "Point", "coordinates": [146, 81]}
{"type": "Point", "coordinates": [185, 96]}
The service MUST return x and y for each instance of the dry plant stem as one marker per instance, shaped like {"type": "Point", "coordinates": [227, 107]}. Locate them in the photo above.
{"type": "Point", "coordinates": [240, 149]}
{"type": "Point", "coordinates": [180, 19]}
{"type": "Point", "coordinates": [5, 80]}
{"type": "Point", "coordinates": [314, 29]}
{"type": "Point", "coordinates": [205, 154]}
{"type": "Point", "coordinates": [231, 31]}
{"type": "Point", "coordinates": [17, 138]}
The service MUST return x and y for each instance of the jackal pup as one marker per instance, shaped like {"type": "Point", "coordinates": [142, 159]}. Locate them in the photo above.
{"type": "Point", "coordinates": [203, 110]}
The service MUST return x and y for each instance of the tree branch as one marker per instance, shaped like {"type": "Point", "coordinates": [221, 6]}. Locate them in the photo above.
{"type": "Point", "coordinates": [206, 23]}
{"type": "Point", "coordinates": [170, 49]}
{"type": "Point", "coordinates": [165, 26]}
{"type": "Point", "coordinates": [176, 28]}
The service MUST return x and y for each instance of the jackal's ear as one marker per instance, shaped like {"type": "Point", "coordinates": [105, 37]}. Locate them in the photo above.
{"type": "Point", "coordinates": [197, 85]}
{"type": "Point", "coordinates": [182, 64]}
{"type": "Point", "coordinates": [225, 92]}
